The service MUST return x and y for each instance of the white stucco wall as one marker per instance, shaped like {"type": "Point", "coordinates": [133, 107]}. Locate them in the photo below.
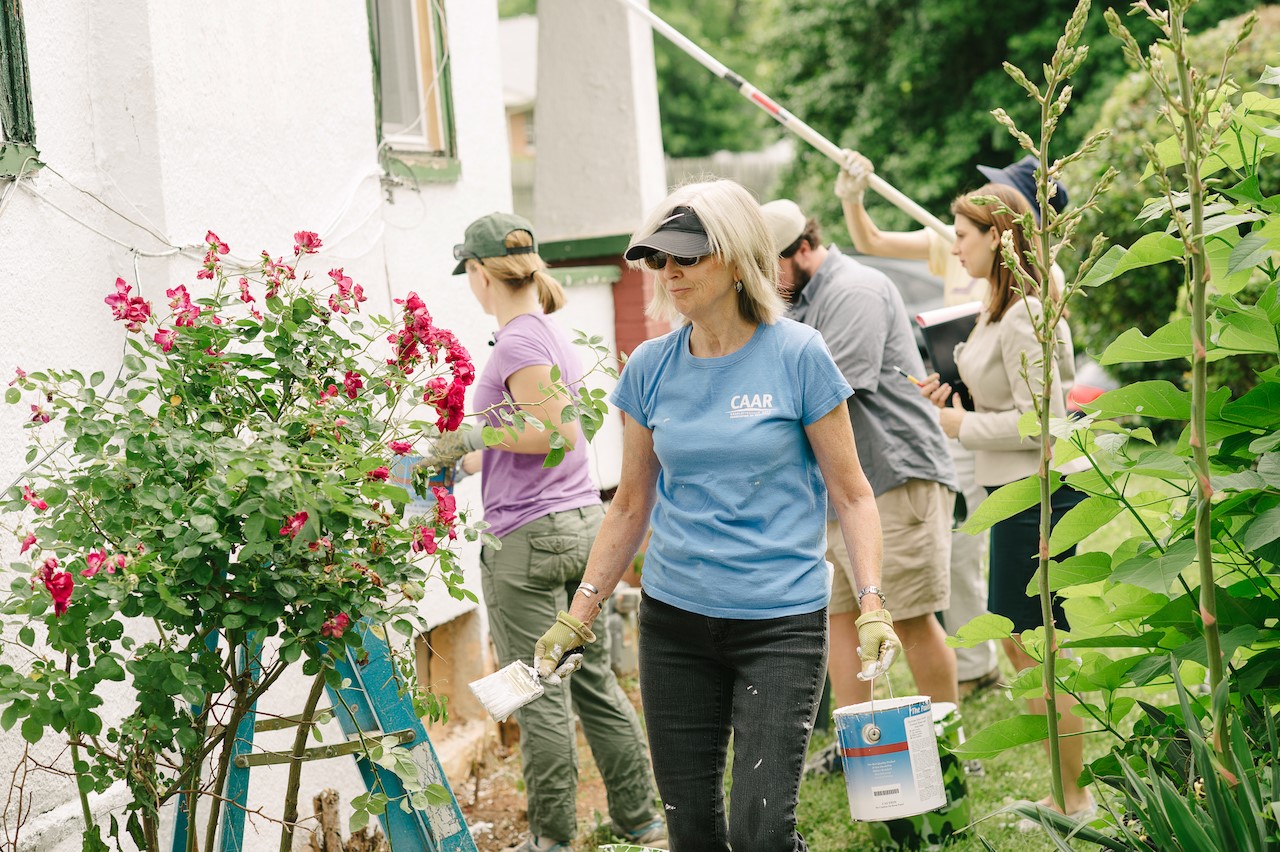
{"type": "Point", "coordinates": [254, 120]}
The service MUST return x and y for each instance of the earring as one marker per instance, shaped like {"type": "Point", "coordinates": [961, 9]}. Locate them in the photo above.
{"type": "Point", "coordinates": [737, 285]}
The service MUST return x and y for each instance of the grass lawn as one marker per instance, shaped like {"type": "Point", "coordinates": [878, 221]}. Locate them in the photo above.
{"type": "Point", "coordinates": [1021, 773]}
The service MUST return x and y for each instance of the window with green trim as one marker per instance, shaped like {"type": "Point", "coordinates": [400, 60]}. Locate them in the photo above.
{"type": "Point", "coordinates": [17, 131]}
{"type": "Point", "coordinates": [414, 97]}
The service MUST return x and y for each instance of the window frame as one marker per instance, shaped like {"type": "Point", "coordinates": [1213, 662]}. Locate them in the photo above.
{"type": "Point", "coordinates": [18, 152]}
{"type": "Point", "coordinates": [401, 157]}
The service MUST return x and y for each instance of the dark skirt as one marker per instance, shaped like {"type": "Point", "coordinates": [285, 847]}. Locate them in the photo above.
{"type": "Point", "coordinates": [1015, 548]}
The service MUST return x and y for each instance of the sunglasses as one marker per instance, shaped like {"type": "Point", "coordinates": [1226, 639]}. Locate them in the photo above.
{"type": "Point", "coordinates": [658, 260]}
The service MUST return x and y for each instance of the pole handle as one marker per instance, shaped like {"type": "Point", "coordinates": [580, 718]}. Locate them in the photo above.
{"type": "Point", "coordinates": [824, 145]}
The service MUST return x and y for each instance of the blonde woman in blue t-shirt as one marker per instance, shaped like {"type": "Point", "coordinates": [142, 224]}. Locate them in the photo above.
{"type": "Point", "coordinates": [736, 437]}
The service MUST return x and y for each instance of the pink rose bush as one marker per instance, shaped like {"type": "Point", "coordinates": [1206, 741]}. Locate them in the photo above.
{"type": "Point", "coordinates": [238, 480]}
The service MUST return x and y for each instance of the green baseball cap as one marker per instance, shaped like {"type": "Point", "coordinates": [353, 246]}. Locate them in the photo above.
{"type": "Point", "coordinates": [487, 237]}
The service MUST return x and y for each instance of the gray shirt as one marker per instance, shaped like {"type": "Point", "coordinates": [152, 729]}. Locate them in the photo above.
{"type": "Point", "coordinates": [861, 316]}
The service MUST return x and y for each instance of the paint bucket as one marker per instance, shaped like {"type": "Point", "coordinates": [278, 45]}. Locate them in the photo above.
{"type": "Point", "coordinates": [932, 829]}
{"type": "Point", "coordinates": [890, 757]}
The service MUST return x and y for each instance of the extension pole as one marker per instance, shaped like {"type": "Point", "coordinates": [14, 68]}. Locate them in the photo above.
{"type": "Point", "coordinates": [824, 145]}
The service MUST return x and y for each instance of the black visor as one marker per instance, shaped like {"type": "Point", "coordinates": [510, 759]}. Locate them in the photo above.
{"type": "Point", "coordinates": [680, 234]}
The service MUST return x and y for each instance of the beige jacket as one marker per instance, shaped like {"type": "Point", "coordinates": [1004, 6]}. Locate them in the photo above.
{"type": "Point", "coordinates": [991, 363]}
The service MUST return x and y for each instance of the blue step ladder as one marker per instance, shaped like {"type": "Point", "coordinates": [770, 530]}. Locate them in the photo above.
{"type": "Point", "coordinates": [372, 705]}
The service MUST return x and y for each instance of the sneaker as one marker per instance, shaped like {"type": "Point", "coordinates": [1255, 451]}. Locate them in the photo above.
{"type": "Point", "coordinates": [652, 834]}
{"type": "Point", "coordinates": [825, 762]}
{"type": "Point", "coordinates": [977, 685]}
{"type": "Point", "coordinates": [543, 844]}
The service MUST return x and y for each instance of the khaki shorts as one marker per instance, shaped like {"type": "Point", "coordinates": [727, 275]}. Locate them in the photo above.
{"type": "Point", "coordinates": [915, 521]}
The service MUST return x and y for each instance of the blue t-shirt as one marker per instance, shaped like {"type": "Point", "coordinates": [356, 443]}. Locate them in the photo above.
{"type": "Point", "coordinates": [739, 527]}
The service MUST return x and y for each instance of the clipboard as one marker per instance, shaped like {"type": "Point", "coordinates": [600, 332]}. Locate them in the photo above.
{"type": "Point", "coordinates": [944, 329]}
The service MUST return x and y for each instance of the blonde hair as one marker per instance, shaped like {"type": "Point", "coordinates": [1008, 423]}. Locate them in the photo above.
{"type": "Point", "coordinates": [739, 238]}
{"type": "Point", "coordinates": [1003, 292]}
{"type": "Point", "coordinates": [518, 271]}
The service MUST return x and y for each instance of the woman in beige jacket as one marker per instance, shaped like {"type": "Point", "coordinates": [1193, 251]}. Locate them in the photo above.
{"type": "Point", "coordinates": [1000, 365]}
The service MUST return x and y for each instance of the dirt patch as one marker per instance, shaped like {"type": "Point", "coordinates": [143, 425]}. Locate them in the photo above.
{"type": "Point", "coordinates": [493, 801]}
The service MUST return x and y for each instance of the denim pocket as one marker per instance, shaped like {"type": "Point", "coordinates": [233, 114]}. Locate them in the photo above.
{"type": "Point", "coordinates": [554, 559]}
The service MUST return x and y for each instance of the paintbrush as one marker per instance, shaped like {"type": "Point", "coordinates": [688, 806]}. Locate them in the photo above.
{"type": "Point", "coordinates": [515, 685]}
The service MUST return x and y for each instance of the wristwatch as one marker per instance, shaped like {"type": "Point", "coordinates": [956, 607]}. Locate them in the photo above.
{"type": "Point", "coordinates": [871, 590]}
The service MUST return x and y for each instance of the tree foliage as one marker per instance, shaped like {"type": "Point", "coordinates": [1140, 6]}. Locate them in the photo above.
{"type": "Point", "coordinates": [911, 84]}
{"type": "Point", "coordinates": [1150, 296]}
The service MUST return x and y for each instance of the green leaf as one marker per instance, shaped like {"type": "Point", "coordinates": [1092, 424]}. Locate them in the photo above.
{"type": "Point", "coordinates": [1270, 76]}
{"type": "Point", "coordinates": [985, 627]}
{"type": "Point", "coordinates": [1161, 400]}
{"type": "Point", "coordinates": [32, 729]}
{"type": "Point", "coordinates": [1085, 518]}
{"type": "Point", "coordinates": [96, 378]}
{"type": "Point", "coordinates": [1259, 408]}
{"type": "Point", "coordinates": [1252, 250]}
{"type": "Point", "coordinates": [1157, 573]}
{"type": "Point", "coordinates": [1167, 342]}
{"type": "Point", "coordinates": [12, 395]}
{"type": "Point", "coordinates": [1262, 530]}
{"type": "Point", "coordinates": [359, 819]}
{"type": "Point", "coordinates": [554, 457]}
{"type": "Point", "coordinates": [1075, 571]}
{"type": "Point", "coordinates": [1007, 501]}
{"type": "Point", "coordinates": [27, 635]}
{"type": "Point", "coordinates": [1002, 735]}
{"type": "Point", "coordinates": [234, 621]}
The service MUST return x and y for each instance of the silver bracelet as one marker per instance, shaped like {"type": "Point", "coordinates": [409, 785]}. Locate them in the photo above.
{"type": "Point", "coordinates": [871, 590]}
{"type": "Point", "coordinates": [589, 591]}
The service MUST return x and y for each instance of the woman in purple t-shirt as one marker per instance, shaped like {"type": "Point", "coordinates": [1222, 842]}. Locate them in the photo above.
{"type": "Point", "coordinates": [546, 520]}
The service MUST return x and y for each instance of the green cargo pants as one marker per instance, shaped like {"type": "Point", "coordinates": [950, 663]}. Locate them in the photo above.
{"type": "Point", "coordinates": [526, 583]}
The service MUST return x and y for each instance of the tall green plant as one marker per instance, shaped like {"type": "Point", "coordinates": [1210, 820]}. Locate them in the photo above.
{"type": "Point", "coordinates": [1196, 584]}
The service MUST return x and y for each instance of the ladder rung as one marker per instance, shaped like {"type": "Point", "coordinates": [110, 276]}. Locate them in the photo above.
{"type": "Point", "coordinates": [355, 746]}
{"type": "Point", "coordinates": [283, 722]}
{"type": "Point", "coordinates": [277, 723]}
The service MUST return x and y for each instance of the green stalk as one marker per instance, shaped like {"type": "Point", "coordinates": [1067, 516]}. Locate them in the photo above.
{"type": "Point", "coordinates": [1189, 114]}
{"type": "Point", "coordinates": [295, 765]}
{"type": "Point", "coordinates": [84, 796]}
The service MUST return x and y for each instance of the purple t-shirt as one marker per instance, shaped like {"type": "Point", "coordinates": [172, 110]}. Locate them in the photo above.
{"type": "Point", "coordinates": [516, 488]}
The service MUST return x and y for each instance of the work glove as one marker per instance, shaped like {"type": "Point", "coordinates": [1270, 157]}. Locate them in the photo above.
{"type": "Point", "coordinates": [549, 652]}
{"type": "Point", "coordinates": [851, 184]}
{"type": "Point", "coordinates": [451, 446]}
{"type": "Point", "coordinates": [877, 643]}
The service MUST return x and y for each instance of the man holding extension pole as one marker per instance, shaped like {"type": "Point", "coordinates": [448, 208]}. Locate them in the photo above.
{"type": "Point", "coordinates": [864, 322]}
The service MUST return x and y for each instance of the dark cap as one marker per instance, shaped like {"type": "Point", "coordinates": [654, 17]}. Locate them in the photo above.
{"type": "Point", "coordinates": [680, 234]}
{"type": "Point", "coordinates": [1022, 177]}
{"type": "Point", "coordinates": [487, 237]}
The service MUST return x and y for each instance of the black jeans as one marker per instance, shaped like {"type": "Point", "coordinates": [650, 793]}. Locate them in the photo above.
{"type": "Point", "coordinates": [700, 679]}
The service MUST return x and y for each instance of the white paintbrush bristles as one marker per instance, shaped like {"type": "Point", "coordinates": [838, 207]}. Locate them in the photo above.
{"type": "Point", "coordinates": [508, 689]}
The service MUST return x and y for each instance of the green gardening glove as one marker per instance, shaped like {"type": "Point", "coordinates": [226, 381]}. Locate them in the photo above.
{"type": "Point", "coordinates": [565, 635]}
{"type": "Point", "coordinates": [877, 643]}
{"type": "Point", "coordinates": [451, 446]}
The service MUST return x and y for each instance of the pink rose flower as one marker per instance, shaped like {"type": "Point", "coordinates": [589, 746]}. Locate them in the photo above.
{"type": "Point", "coordinates": [60, 586]}
{"type": "Point", "coordinates": [400, 448]}
{"type": "Point", "coordinates": [94, 560]}
{"type": "Point", "coordinates": [306, 242]}
{"type": "Point", "coordinates": [352, 382]}
{"type": "Point", "coordinates": [166, 339]}
{"type": "Point", "coordinates": [39, 415]}
{"type": "Point", "coordinates": [381, 474]}
{"type": "Point", "coordinates": [335, 626]}
{"type": "Point", "coordinates": [294, 525]}
{"type": "Point", "coordinates": [27, 543]}
{"type": "Point", "coordinates": [33, 499]}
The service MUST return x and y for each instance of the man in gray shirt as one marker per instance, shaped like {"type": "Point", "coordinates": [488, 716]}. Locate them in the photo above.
{"type": "Point", "coordinates": [862, 318]}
